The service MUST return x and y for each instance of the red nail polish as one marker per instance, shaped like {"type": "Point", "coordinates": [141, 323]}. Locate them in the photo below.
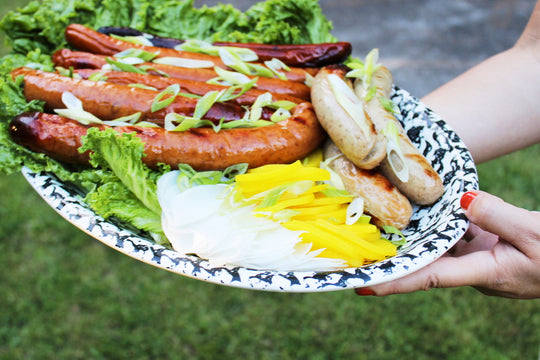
{"type": "Point", "coordinates": [364, 292]}
{"type": "Point", "coordinates": [467, 198]}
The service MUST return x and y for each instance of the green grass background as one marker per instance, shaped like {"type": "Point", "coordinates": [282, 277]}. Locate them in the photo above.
{"type": "Point", "coordinates": [64, 295]}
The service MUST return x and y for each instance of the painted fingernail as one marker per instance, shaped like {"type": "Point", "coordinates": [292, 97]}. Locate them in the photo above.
{"type": "Point", "coordinates": [467, 198]}
{"type": "Point", "coordinates": [364, 292]}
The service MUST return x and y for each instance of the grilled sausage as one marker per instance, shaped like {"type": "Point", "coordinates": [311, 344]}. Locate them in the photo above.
{"type": "Point", "coordinates": [109, 101]}
{"type": "Point", "coordinates": [86, 39]}
{"type": "Point", "coordinates": [202, 148]}
{"type": "Point", "coordinates": [382, 200]}
{"type": "Point", "coordinates": [424, 186]}
{"type": "Point", "coordinates": [301, 55]}
{"type": "Point", "coordinates": [186, 86]}
{"type": "Point", "coordinates": [357, 141]}
{"type": "Point", "coordinates": [84, 60]}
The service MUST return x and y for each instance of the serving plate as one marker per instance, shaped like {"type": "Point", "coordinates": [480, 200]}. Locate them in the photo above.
{"type": "Point", "coordinates": [432, 231]}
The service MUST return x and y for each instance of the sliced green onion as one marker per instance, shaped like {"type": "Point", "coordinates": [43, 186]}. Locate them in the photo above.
{"type": "Point", "coordinates": [282, 104]}
{"type": "Point", "coordinates": [348, 100]}
{"type": "Point", "coordinates": [204, 47]}
{"type": "Point", "coordinates": [98, 76]}
{"type": "Point", "coordinates": [355, 210]}
{"type": "Point", "coordinates": [118, 65]}
{"type": "Point", "coordinates": [74, 110]}
{"type": "Point", "coordinates": [272, 196]}
{"type": "Point", "coordinates": [184, 63]}
{"type": "Point", "coordinates": [280, 115]}
{"type": "Point", "coordinates": [309, 80]}
{"type": "Point", "coordinates": [145, 56]}
{"type": "Point", "coordinates": [147, 68]}
{"type": "Point", "coordinates": [275, 65]}
{"type": "Point", "coordinates": [160, 103]}
{"type": "Point", "coordinates": [368, 95]}
{"type": "Point", "coordinates": [364, 70]}
{"type": "Point", "coordinates": [236, 91]}
{"type": "Point", "coordinates": [140, 40]}
{"type": "Point", "coordinates": [335, 179]}
{"type": "Point", "coordinates": [206, 102]}
{"type": "Point", "coordinates": [233, 61]}
{"type": "Point", "coordinates": [394, 153]}
{"type": "Point", "coordinates": [231, 171]}
{"type": "Point", "coordinates": [185, 123]}
{"type": "Point", "coordinates": [230, 77]}
{"type": "Point", "coordinates": [257, 107]}
{"type": "Point", "coordinates": [388, 105]}
{"type": "Point", "coordinates": [243, 123]}
{"type": "Point", "coordinates": [67, 72]}
{"type": "Point", "coordinates": [334, 192]}
{"type": "Point", "coordinates": [388, 229]}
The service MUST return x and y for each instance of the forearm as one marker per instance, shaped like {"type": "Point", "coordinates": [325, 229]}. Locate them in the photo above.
{"type": "Point", "coordinates": [494, 106]}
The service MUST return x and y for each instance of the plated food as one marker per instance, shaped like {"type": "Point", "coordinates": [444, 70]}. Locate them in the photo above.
{"type": "Point", "coordinates": [203, 139]}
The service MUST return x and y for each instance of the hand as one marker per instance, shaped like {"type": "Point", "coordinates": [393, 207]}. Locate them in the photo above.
{"type": "Point", "coordinates": [499, 254]}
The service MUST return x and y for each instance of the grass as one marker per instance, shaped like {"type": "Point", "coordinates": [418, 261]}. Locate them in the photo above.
{"type": "Point", "coordinates": [64, 295]}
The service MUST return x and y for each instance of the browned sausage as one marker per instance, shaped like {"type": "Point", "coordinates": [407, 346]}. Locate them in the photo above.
{"type": "Point", "coordinates": [423, 186]}
{"type": "Point", "coordinates": [79, 60]}
{"type": "Point", "coordinates": [300, 55]}
{"type": "Point", "coordinates": [187, 86]}
{"type": "Point", "coordinates": [110, 101]}
{"type": "Point", "coordinates": [382, 200]}
{"type": "Point", "coordinates": [355, 133]}
{"type": "Point", "coordinates": [202, 148]}
{"type": "Point", "coordinates": [86, 39]}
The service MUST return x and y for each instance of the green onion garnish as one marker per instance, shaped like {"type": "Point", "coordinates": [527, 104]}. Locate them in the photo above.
{"type": "Point", "coordinates": [160, 103]}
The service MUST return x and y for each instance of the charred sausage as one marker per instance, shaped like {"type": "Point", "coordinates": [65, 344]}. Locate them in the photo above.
{"type": "Point", "coordinates": [301, 55]}
{"type": "Point", "coordinates": [86, 39]}
{"type": "Point", "coordinates": [202, 148]}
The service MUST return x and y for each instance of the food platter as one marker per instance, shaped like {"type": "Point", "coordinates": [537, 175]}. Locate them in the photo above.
{"type": "Point", "coordinates": [433, 230]}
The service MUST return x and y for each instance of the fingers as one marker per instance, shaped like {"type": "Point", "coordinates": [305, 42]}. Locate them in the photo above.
{"type": "Point", "coordinates": [517, 226]}
{"type": "Point", "coordinates": [471, 269]}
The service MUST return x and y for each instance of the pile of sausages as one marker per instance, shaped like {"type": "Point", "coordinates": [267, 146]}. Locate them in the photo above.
{"type": "Point", "coordinates": [312, 119]}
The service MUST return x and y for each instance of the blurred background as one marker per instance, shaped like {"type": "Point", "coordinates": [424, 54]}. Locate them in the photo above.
{"type": "Point", "coordinates": [64, 295]}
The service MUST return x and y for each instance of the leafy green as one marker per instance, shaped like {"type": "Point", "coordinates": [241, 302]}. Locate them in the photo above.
{"type": "Point", "coordinates": [122, 154]}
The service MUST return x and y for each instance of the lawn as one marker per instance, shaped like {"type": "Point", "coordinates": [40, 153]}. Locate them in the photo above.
{"type": "Point", "coordinates": [64, 295]}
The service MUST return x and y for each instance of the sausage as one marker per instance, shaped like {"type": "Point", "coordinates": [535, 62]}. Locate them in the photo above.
{"type": "Point", "coordinates": [424, 185]}
{"type": "Point", "coordinates": [382, 200]}
{"type": "Point", "coordinates": [86, 39]}
{"type": "Point", "coordinates": [202, 148]}
{"type": "Point", "coordinates": [80, 60]}
{"type": "Point", "coordinates": [301, 55]}
{"type": "Point", "coordinates": [186, 86]}
{"type": "Point", "coordinates": [109, 101]}
{"type": "Point", "coordinates": [356, 141]}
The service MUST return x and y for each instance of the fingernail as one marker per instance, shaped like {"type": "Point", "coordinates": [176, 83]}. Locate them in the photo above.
{"type": "Point", "coordinates": [467, 198]}
{"type": "Point", "coordinates": [364, 292]}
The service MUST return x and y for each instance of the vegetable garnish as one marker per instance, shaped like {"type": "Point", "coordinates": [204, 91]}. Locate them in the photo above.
{"type": "Point", "coordinates": [140, 40]}
{"type": "Point", "coordinates": [143, 56]}
{"type": "Point", "coordinates": [184, 63]}
{"type": "Point", "coordinates": [165, 98]}
{"type": "Point", "coordinates": [203, 47]}
{"type": "Point", "coordinates": [348, 100]}
{"type": "Point", "coordinates": [299, 198]}
{"type": "Point", "coordinates": [122, 66]}
{"type": "Point", "coordinates": [394, 152]}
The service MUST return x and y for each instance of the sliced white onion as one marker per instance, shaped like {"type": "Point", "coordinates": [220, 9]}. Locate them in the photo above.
{"type": "Point", "coordinates": [185, 63]}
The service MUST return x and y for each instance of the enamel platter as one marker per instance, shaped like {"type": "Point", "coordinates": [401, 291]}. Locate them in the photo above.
{"type": "Point", "coordinates": [432, 231]}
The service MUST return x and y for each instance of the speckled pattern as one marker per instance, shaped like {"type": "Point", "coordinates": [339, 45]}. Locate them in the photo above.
{"type": "Point", "coordinates": [432, 231]}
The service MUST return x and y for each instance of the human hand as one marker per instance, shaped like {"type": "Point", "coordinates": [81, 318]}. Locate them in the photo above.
{"type": "Point", "coordinates": [499, 254]}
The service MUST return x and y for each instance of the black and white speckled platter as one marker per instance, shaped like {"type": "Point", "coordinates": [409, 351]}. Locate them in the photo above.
{"type": "Point", "coordinates": [432, 231]}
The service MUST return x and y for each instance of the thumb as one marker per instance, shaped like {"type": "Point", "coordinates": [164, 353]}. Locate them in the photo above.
{"type": "Point", "coordinates": [513, 224]}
